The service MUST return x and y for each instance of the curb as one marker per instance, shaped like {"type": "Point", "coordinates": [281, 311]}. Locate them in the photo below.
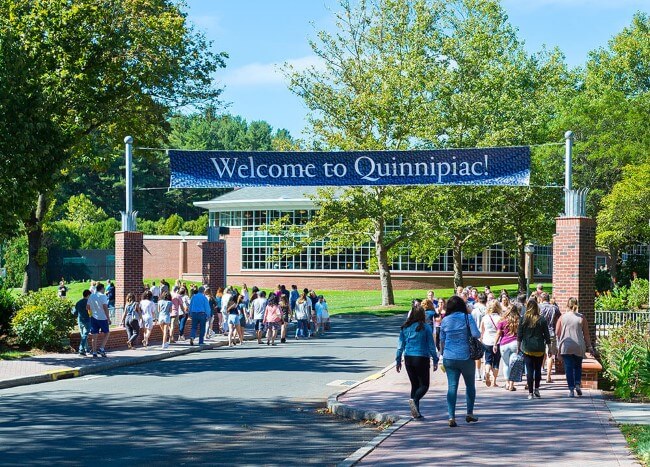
{"type": "Point", "coordinates": [353, 413]}
{"type": "Point", "coordinates": [76, 372]}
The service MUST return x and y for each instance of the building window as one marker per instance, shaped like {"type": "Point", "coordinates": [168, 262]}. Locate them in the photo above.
{"type": "Point", "coordinates": [601, 262]}
{"type": "Point", "coordinates": [501, 260]}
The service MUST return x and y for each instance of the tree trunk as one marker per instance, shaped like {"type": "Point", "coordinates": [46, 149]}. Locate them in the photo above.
{"type": "Point", "coordinates": [521, 265]}
{"type": "Point", "coordinates": [34, 226]}
{"type": "Point", "coordinates": [613, 265]}
{"type": "Point", "coordinates": [387, 296]}
{"type": "Point", "coordinates": [458, 264]}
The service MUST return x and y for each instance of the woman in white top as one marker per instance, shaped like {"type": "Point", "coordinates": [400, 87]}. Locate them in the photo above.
{"type": "Point", "coordinates": [478, 313]}
{"type": "Point", "coordinates": [149, 314]}
{"type": "Point", "coordinates": [489, 331]}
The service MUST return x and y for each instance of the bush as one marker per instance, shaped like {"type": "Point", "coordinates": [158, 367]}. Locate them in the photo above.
{"type": "Point", "coordinates": [603, 280]}
{"type": "Point", "coordinates": [638, 294]}
{"type": "Point", "coordinates": [7, 310]}
{"type": "Point", "coordinates": [625, 354]}
{"type": "Point", "coordinates": [612, 301]}
{"type": "Point", "coordinates": [43, 320]}
{"type": "Point", "coordinates": [15, 253]}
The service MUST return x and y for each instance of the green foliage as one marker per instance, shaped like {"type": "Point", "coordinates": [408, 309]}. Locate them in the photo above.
{"type": "Point", "coordinates": [43, 320]}
{"type": "Point", "coordinates": [198, 226]}
{"type": "Point", "coordinates": [634, 265]}
{"type": "Point", "coordinates": [15, 256]}
{"type": "Point", "coordinates": [638, 437]}
{"type": "Point", "coordinates": [614, 300]}
{"type": "Point", "coordinates": [82, 212]}
{"type": "Point", "coordinates": [637, 295]}
{"type": "Point", "coordinates": [603, 280]}
{"type": "Point", "coordinates": [172, 225]}
{"type": "Point", "coordinates": [625, 355]}
{"type": "Point", "coordinates": [7, 309]}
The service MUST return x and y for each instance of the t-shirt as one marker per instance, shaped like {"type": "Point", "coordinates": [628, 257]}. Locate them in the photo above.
{"type": "Point", "coordinates": [81, 311]}
{"type": "Point", "coordinates": [303, 310]}
{"type": "Point", "coordinates": [155, 291]}
{"type": "Point", "coordinates": [322, 310]}
{"type": "Point", "coordinates": [478, 313]}
{"type": "Point", "coordinates": [551, 313]}
{"type": "Point", "coordinates": [63, 290]}
{"type": "Point", "coordinates": [177, 305]}
{"type": "Point", "coordinates": [259, 305]}
{"type": "Point", "coordinates": [490, 328]}
{"type": "Point", "coordinates": [96, 303]}
{"type": "Point", "coordinates": [272, 314]}
{"type": "Point", "coordinates": [507, 337]}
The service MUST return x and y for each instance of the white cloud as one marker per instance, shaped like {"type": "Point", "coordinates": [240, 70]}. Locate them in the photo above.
{"type": "Point", "coordinates": [265, 74]}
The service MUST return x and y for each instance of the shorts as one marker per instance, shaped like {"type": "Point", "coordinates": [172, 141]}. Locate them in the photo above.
{"type": "Point", "coordinates": [319, 319]}
{"type": "Point", "coordinates": [97, 325]}
{"type": "Point", "coordinates": [259, 325]}
{"type": "Point", "coordinates": [551, 349]}
{"type": "Point", "coordinates": [234, 319]}
{"type": "Point", "coordinates": [273, 326]}
{"type": "Point", "coordinates": [492, 358]}
{"type": "Point", "coordinates": [164, 318]}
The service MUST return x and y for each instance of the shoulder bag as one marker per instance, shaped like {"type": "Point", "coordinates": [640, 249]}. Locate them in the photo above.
{"type": "Point", "coordinates": [476, 349]}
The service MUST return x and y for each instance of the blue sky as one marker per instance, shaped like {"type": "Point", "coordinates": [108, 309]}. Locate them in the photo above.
{"type": "Point", "coordinates": [260, 35]}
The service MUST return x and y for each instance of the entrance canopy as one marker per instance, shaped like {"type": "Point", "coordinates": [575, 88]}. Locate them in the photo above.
{"type": "Point", "coordinates": [480, 166]}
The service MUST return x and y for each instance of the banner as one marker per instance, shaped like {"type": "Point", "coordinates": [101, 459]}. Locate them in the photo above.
{"type": "Point", "coordinates": [480, 166]}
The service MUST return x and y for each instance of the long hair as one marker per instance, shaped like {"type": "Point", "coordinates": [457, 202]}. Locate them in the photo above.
{"type": "Point", "coordinates": [456, 304]}
{"type": "Point", "coordinates": [512, 318]}
{"type": "Point", "coordinates": [415, 316]}
{"type": "Point", "coordinates": [427, 304]}
{"type": "Point", "coordinates": [532, 314]}
{"type": "Point", "coordinates": [494, 307]}
{"type": "Point", "coordinates": [572, 304]}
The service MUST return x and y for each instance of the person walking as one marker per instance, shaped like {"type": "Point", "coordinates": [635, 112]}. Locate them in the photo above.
{"type": "Point", "coordinates": [302, 313]}
{"type": "Point", "coordinates": [183, 312]}
{"type": "Point", "coordinates": [478, 313]}
{"type": "Point", "coordinates": [506, 341]}
{"type": "Point", "coordinates": [455, 331]}
{"type": "Point", "coordinates": [572, 331]}
{"type": "Point", "coordinates": [488, 329]}
{"type": "Point", "coordinates": [416, 344]}
{"type": "Point", "coordinates": [83, 320]}
{"type": "Point", "coordinates": [259, 305]}
{"type": "Point", "coordinates": [551, 314]}
{"type": "Point", "coordinates": [99, 320]}
{"type": "Point", "coordinates": [149, 309]}
{"type": "Point", "coordinates": [209, 325]}
{"type": "Point", "coordinates": [165, 318]}
{"type": "Point", "coordinates": [234, 322]}
{"type": "Point", "coordinates": [199, 309]}
{"type": "Point", "coordinates": [272, 319]}
{"type": "Point", "coordinates": [532, 339]}
{"type": "Point", "coordinates": [131, 320]}
{"type": "Point", "coordinates": [286, 313]}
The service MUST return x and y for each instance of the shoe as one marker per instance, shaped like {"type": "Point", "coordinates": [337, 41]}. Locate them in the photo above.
{"type": "Point", "coordinates": [420, 417]}
{"type": "Point", "coordinates": [571, 393]}
{"type": "Point", "coordinates": [82, 354]}
{"type": "Point", "coordinates": [283, 340]}
{"type": "Point", "coordinates": [191, 341]}
{"type": "Point", "coordinates": [268, 342]}
{"type": "Point", "coordinates": [530, 395]}
{"type": "Point", "coordinates": [181, 338]}
{"type": "Point", "coordinates": [452, 423]}
{"type": "Point", "coordinates": [578, 391]}
{"type": "Point", "coordinates": [102, 352]}
{"type": "Point", "coordinates": [129, 345]}
{"type": "Point", "coordinates": [536, 392]}
{"type": "Point", "coordinates": [94, 355]}
{"type": "Point", "coordinates": [415, 413]}
{"type": "Point", "coordinates": [274, 344]}
{"type": "Point", "coordinates": [526, 387]}
{"type": "Point", "coordinates": [471, 418]}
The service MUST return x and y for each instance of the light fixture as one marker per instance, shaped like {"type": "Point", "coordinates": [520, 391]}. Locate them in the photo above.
{"type": "Point", "coordinates": [183, 234]}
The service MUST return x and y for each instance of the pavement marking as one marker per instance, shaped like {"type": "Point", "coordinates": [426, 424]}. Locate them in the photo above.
{"type": "Point", "coordinates": [342, 382]}
{"type": "Point", "coordinates": [87, 378]}
{"type": "Point", "coordinates": [56, 375]}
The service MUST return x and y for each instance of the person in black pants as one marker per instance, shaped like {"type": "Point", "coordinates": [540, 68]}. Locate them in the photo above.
{"type": "Point", "coordinates": [532, 338]}
{"type": "Point", "coordinates": [416, 344]}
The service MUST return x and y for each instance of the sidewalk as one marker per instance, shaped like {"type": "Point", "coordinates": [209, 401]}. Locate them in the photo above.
{"type": "Point", "coordinates": [553, 430]}
{"type": "Point", "coordinates": [51, 367]}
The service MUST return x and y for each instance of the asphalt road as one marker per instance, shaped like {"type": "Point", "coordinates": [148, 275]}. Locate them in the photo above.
{"type": "Point", "coordinates": [250, 405]}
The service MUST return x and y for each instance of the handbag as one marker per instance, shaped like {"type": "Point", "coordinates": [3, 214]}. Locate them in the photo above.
{"type": "Point", "coordinates": [516, 367]}
{"type": "Point", "coordinates": [476, 349]}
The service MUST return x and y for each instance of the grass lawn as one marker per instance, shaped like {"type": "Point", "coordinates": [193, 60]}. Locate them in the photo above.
{"type": "Point", "coordinates": [638, 438]}
{"type": "Point", "coordinates": [14, 354]}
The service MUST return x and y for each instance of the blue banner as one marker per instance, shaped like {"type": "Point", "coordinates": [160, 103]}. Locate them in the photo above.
{"type": "Point", "coordinates": [480, 166]}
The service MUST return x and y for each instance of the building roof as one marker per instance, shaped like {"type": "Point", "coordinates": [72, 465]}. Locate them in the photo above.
{"type": "Point", "coordinates": [280, 198]}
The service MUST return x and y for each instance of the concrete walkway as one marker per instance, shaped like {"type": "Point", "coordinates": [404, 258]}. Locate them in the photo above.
{"type": "Point", "coordinates": [633, 413]}
{"type": "Point", "coordinates": [553, 430]}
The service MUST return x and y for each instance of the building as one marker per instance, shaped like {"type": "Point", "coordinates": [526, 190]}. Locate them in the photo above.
{"type": "Point", "coordinates": [253, 256]}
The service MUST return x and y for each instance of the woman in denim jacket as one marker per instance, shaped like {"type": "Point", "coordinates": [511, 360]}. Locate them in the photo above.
{"type": "Point", "coordinates": [416, 343]}
{"type": "Point", "coordinates": [454, 344]}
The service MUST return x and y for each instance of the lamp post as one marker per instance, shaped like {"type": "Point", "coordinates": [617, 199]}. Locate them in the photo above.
{"type": "Point", "coordinates": [182, 256]}
{"type": "Point", "coordinates": [529, 250]}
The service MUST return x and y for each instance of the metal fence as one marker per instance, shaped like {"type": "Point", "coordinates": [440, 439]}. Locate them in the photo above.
{"type": "Point", "coordinates": [608, 320]}
{"type": "Point", "coordinates": [79, 265]}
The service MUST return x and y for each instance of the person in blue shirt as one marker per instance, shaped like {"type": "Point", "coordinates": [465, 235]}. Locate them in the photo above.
{"type": "Point", "coordinates": [454, 346]}
{"type": "Point", "coordinates": [199, 309]}
{"type": "Point", "coordinates": [83, 320]}
{"type": "Point", "coordinates": [416, 344]}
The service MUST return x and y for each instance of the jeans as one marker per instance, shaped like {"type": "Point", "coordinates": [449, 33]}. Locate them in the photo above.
{"type": "Point", "coordinates": [454, 369]}
{"type": "Point", "coordinates": [492, 358]}
{"type": "Point", "coordinates": [507, 351]}
{"type": "Point", "coordinates": [84, 329]}
{"type": "Point", "coordinates": [533, 370]}
{"type": "Point", "coordinates": [303, 328]}
{"type": "Point", "coordinates": [418, 371]}
{"type": "Point", "coordinates": [132, 330]}
{"type": "Point", "coordinates": [573, 370]}
{"type": "Point", "coordinates": [198, 320]}
{"type": "Point", "coordinates": [181, 324]}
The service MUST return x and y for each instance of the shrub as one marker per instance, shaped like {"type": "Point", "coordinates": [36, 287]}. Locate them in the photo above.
{"type": "Point", "coordinates": [15, 256]}
{"type": "Point", "coordinates": [603, 280]}
{"type": "Point", "coordinates": [637, 294]}
{"type": "Point", "coordinates": [625, 354]}
{"type": "Point", "coordinates": [7, 310]}
{"type": "Point", "coordinates": [43, 319]}
{"type": "Point", "coordinates": [612, 301]}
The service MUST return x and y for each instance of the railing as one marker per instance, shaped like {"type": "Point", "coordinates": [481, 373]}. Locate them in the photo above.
{"type": "Point", "coordinates": [608, 320]}
{"type": "Point", "coordinates": [115, 314]}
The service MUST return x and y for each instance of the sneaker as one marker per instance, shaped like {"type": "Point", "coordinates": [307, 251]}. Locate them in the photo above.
{"type": "Point", "coordinates": [471, 418]}
{"type": "Point", "coordinates": [415, 413]}
{"type": "Point", "coordinates": [452, 423]}
{"type": "Point", "coordinates": [578, 391]}
{"type": "Point", "coordinates": [191, 341]}
{"type": "Point", "coordinates": [537, 393]}
{"type": "Point", "coordinates": [530, 395]}
{"type": "Point", "coordinates": [181, 338]}
{"type": "Point", "coordinates": [283, 340]}
{"type": "Point", "coordinates": [82, 354]}
{"type": "Point", "coordinates": [571, 393]}
{"type": "Point", "coordinates": [102, 352]}
{"type": "Point", "coordinates": [94, 355]}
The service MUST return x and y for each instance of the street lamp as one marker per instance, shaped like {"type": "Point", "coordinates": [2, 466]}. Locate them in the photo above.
{"type": "Point", "coordinates": [529, 250]}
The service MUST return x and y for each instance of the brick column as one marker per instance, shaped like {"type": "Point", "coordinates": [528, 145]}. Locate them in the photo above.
{"type": "Point", "coordinates": [574, 257]}
{"type": "Point", "coordinates": [214, 264]}
{"type": "Point", "coordinates": [128, 265]}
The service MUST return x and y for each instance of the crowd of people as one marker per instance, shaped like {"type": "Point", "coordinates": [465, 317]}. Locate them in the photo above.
{"type": "Point", "coordinates": [228, 311]}
{"type": "Point", "coordinates": [518, 336]}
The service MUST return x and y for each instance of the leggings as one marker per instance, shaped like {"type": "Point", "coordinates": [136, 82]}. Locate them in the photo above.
{"type": "Point", "coordinates": [418, 371]}
{"type": "Point", "coordinates": [132, 330]}
{"type": "Point", "coordinates": [533, 370]}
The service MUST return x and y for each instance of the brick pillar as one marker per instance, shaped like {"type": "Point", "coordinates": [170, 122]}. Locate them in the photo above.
{"type": "Point", "coordinates": [128, 265]}
{"type": "Point", "coordinates": [214, 264]}
{"type": "Point", "coordinates": [574, 257]}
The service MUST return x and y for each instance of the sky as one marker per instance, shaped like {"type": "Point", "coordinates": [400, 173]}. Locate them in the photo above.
{"type": "Point", "coordinates": [261, 35]}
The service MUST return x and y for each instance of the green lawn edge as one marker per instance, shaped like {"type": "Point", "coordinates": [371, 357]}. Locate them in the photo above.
{"type": "Point", "coordinates": [638, 439]}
